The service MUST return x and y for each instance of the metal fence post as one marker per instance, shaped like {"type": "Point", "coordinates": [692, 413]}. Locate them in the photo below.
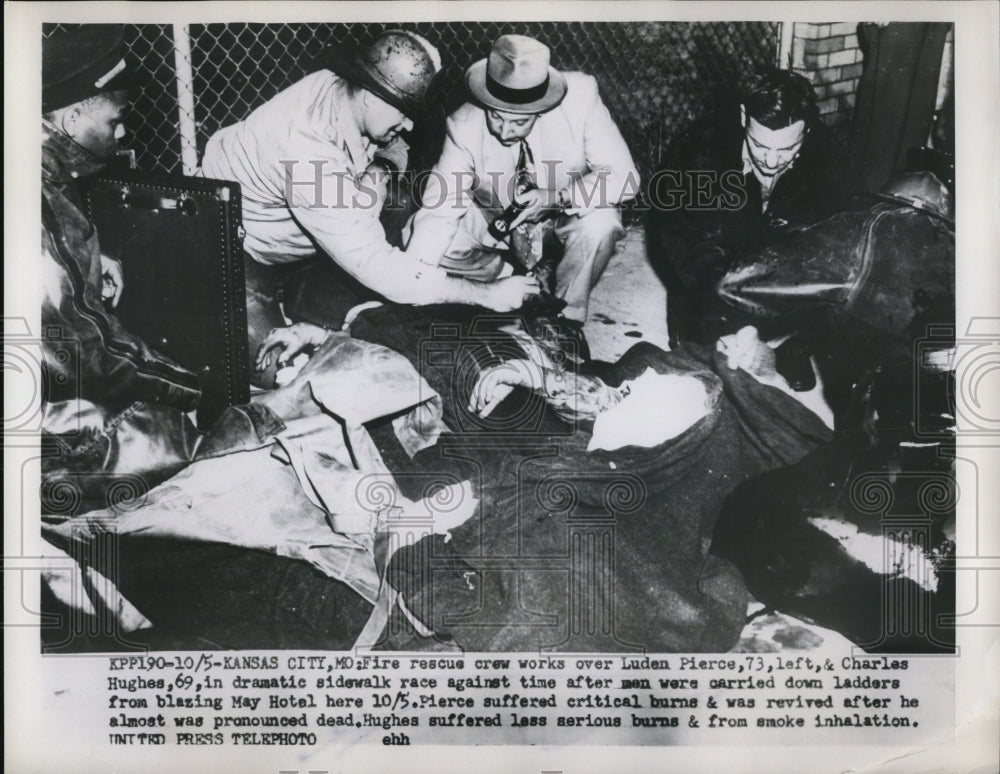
{"type": "Point", "coordinates": [785, 45]}
{"type": "Point", "coordinates": [185, 98]}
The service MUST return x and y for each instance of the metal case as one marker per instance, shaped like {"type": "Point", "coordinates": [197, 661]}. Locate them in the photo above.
{"type": "Point", "coordinates": [179, 242]}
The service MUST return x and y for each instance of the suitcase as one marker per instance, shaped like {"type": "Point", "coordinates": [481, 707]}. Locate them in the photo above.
{"type": "Point", "coordinates": [179, 242]}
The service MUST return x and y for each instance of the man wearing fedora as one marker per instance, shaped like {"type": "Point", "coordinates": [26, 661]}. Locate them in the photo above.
{"type": "Point", "coordinates": [527, 121]}
{"type": "Point", "coordinates": [310, 164]}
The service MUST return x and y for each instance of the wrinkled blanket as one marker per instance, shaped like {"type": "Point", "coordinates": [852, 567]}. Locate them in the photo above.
{"type": "Point", "coordinates": [571, 550]}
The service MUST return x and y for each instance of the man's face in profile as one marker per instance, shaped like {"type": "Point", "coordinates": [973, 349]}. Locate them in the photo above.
{"type": "Point", "coordinates": [772, 151]}
{"type": "Point", "coordinates": [382, 122]}
{"type": "Point", "coordinates": [97, 124]}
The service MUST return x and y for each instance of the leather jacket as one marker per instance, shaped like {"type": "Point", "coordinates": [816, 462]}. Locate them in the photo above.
{"type": "Point", "coordinates": [113, 409]}
{"type": "Point", "coordinates": [87, 352]}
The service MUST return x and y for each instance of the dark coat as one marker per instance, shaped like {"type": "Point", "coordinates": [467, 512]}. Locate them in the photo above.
{"type": "Point", "coordinates": [622, 534]}
{"type": "Point", "coordinates": [694, 238]}
{"type": "Point", "coordinates": [113, 408]}
{"type": "Point", "coordinates": [873, 290]}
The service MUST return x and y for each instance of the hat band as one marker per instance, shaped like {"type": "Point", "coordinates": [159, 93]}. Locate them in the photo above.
{"type": "Point", "coordinates": [99, 83]}
{"type": "Point", "coordinates": [517, 96]}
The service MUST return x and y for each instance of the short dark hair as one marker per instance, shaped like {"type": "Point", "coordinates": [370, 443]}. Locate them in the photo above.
{"type": "Point", "coordinates": [779, 98]}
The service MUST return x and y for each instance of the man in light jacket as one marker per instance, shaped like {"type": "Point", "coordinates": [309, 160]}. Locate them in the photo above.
{"type": "Point", "coordinates": [311, 163]}
{"type": "Point", "coordinates": [525, 113]}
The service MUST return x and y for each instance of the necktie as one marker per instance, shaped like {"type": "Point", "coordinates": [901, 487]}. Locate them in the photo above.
{"type": "Point", "coordinates": [526, 239]}
{"type": "Point", "coordinates": [524, 173]}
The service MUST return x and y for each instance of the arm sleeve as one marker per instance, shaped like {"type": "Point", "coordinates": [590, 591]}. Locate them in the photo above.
{"type": "Point", "coordinates": [612, 177]}
{"type": "Point", "coordinates": [86, 351]}
{"type": "Point", "coordinates": [693, 245]}
{"type": "Point", "coordinates": [446, 197]}
{"type": "Point", "coordinates": [345, 224]}
{"type": "Point", "coordinates": [696, 243]}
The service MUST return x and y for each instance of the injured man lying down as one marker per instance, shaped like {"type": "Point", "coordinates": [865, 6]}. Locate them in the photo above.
{"type": "Point", "coordinates": [435, 478]}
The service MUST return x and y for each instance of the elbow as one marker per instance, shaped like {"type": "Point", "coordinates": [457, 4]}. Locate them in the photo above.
{"type": "Point", "coordinates": [414, 290]}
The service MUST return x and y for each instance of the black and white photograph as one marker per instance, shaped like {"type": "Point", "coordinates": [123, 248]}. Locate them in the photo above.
{"type": "Point", "coordinates": [525, 375]}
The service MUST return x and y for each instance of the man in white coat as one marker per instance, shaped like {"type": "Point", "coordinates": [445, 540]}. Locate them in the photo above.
{"type": "Point", "coordinates": [527, 118]}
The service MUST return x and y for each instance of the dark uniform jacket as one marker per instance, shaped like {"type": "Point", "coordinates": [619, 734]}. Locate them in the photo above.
{"type": "Point", "coordinates": [707, 215]}
{"type": "Point", "coordinates": [92, 355]}
{"type": "Point", "coordinates": [110, 403]}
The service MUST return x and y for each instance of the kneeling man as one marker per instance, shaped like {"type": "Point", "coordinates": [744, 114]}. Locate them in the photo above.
{"type": "Point", "coordinates": [545, 140]}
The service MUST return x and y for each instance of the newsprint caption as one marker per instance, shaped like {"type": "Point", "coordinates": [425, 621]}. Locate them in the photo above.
{"type": "Point", "coordinates": [311, 700]}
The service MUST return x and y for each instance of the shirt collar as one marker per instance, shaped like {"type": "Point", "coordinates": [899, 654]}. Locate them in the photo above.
{"type": "Point", "coordinates": [63, 159]}
{"type": "Point", "coordinates": [357, 145]}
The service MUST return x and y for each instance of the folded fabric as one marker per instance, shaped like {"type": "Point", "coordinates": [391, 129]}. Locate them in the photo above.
{"type": "Point", "coordinates": [310, 485]}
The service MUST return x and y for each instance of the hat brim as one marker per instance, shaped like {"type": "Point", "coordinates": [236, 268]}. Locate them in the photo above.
{"type": "Point", "coordinates": [127, 80]}
{"type": "Point", "coordinates": [78, 89]}
{"type": "Point", "coordinates": [475, 82]}
{"type": "Point", "coordinates": [346, 61]}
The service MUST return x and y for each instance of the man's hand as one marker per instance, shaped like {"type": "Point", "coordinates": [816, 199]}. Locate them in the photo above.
{"type": "Point", "coordinates": [744, 350]}
{"type": "Point", "coordinates": [114, 283]}
{"type": "Point", "coordinates": [539, 204]}
{"type": "Point", "coordinates": [508, 294]}
{"type": "Point", "coordinates": [289, 341]}
{"type": "Point", "coordinates": [496, 383]}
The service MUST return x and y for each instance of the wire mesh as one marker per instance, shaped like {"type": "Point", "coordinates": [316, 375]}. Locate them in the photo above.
{"type": "Point", "coordinates": [152, 123]}
{"type": "Point", "coordinates": [655, 77]}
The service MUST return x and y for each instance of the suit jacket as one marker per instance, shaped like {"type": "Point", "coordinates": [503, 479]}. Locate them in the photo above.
{"type": "Point", "coordinates": [692, 245]}
{"type": "Point", "coordinates": [575, 145]}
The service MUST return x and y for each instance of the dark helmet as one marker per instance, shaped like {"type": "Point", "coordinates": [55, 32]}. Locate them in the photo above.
{"type": "Point", "coordinates": [398, 66]}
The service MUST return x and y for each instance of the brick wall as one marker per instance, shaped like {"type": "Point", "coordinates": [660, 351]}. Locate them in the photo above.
{"type": "Point", "coordinates": [828, 55]}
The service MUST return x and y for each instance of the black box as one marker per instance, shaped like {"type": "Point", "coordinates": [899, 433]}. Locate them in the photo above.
{"type": "Point", "coordinates": [179, 242]}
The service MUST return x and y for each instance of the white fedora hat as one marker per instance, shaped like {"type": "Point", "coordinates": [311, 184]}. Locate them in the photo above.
{"type": "Point", "coordinates": [516, 77]}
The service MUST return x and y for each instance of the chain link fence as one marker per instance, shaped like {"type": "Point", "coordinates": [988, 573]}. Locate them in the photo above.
{"type": "Point", "coordinates": [655, 77]}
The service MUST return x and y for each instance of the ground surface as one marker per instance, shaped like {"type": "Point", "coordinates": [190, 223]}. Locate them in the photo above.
{"type": "Point", "coordinates": [629, 305]}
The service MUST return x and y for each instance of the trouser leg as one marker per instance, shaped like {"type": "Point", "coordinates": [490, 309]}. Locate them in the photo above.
{"type": "Point", "coordinates": [588, 242]}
